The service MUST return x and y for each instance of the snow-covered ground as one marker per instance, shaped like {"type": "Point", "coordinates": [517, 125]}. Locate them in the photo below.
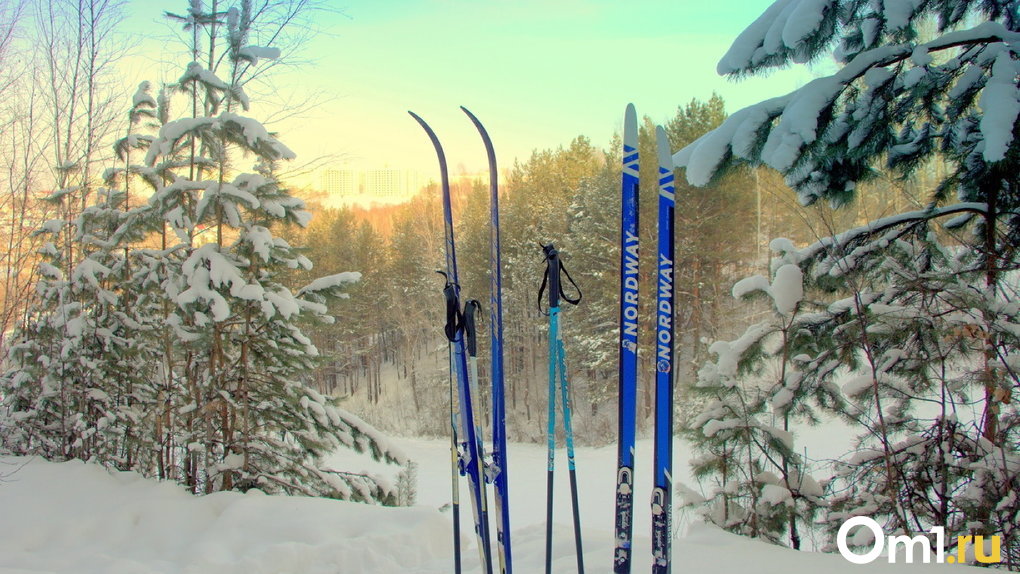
{"type": "Point", "coordinates": [78, 518]}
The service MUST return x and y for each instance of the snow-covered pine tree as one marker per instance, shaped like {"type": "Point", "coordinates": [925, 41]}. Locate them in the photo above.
{"type": "Point", "coordinates": [249, 422]}
{"type": "Point", "coordinates": [902, 97]}
{"type": "Point", "coordinates": [752, 393]}
{"type": "Point", "coordinates": [76, 366]}
{"type": "Point", "coordinates": [200, 377]}
{"type": "Point", "coordinates": [918, 84]}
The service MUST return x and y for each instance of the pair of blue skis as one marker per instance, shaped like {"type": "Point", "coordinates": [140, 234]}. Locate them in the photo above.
{"type": "Point", "coordinates": [468, 454]}
{"type": "Point", "coordinates": [663, 458]}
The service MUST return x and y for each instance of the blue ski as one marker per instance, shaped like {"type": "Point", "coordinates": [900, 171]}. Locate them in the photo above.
{"type": "Point", "coordinates": [471, 448]}
{"type": "Point", "coordinates": [498, 469]}
{"type": "Point", "coordinates": [628, 345]}
{"type": "Point", "coordinates": [663, 464]}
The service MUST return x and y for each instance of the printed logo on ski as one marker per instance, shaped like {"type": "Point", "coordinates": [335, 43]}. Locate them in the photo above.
{"type": "Point", "coordinates": [630, 292]}
{"type": "Point", "coordinates": [665, 330]}
{"type": "Point", "coordinates": [912, 544]}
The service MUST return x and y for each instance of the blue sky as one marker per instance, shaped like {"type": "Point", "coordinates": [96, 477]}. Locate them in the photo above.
{"type": "Point", "coordinates": [537, 72]}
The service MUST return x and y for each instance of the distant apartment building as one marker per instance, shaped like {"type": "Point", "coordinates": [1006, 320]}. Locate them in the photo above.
{"type": "Point", "coordinates": [386, 185]}
{"type": "Point", "coordinates": [341, 184]}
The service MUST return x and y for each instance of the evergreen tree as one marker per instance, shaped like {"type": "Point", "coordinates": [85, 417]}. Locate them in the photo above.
{"type": "Point", "coordinates": [221, 402]}
{"type": "Point", "coordinates": [911, 306]}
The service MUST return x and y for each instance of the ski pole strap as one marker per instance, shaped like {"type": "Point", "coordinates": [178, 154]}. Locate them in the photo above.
{"type": "Point", "coordinates": [454, 318]}
{"type": "Point", "coordinates": [469, 326]}
{"type": "Point", "coordinates": [554, 268]}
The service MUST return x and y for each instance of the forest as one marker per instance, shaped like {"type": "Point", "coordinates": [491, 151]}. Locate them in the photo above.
{"type": "Point", "coordinates": [171, 304]}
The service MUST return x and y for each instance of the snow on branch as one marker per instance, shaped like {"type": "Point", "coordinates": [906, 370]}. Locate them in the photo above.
{"type": "Point", "coordinates": [786, 30]}
{"type": "Point", "coordinates": [1000, 104]}
{"type": "Point", "coordinates": [253, 53]}
{"type": "Point", "coordinates": [330, 282]}
{"type": "Point", "coordinates": [780, 132]}
{"type": "Point", "coordinates": [196, 73]}
{"type": "Point", "coordinates": [839, 253]}
{"type": "Point", "coordinates": [256, 135]}
{"type": "Point", "coordinates": [798, 116]}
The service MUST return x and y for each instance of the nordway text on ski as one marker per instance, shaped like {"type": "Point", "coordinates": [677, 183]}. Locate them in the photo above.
{"type": "Point", "coordinates": [630, 292]}
{"type": "Point", "coordinates": [664, 334]}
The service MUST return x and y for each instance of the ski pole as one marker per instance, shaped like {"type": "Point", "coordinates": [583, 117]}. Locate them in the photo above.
{"type": "Point", "coordinates": [571, 468]}
{"type": "Point", "coordinates": [454, 473]}
{"type": "Point", "coordinates": [551, 428]}
{"type": "Point", "coordinates": [450, 330]}
{"type": "Point", "coordinates": [470, 332]}
{"type": "Point", "coordinates": [557, 363]}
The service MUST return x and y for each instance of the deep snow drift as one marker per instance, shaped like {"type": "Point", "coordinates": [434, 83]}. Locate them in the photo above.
{"type": "Point", "coordinates": [78, 518]}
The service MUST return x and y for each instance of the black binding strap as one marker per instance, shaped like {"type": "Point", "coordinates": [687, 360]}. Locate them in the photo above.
{"type": "Point", "coordinates": [553, 269]}
{"type": "Point", "coordinates": [470, 330]}
{"type": "Point", "coordinates": [454, 317]}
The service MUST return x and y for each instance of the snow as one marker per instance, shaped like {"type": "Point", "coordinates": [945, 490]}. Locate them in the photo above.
{"type": "Point", "coordinates": [899, 13]}
{"type": "Point", "coordinates": [253, 53]}
{"type": "Point", "coordinates": [786, 25]}
{"type": "Point", "coordinates": [79, 518]}
{"type": "Point", "coordinates": [729, 352]}
{"type": "Point", "coordinates": [749, 285]}
{"type": "Point", "coordinates": [788, 288]}
{"type": "Point", "coordinates": [256, 134]}
{"type": "Point", "coordinates": [1000, 106]}
{"type": "Point", "coordinates": [779, 35]}
{"type": "Point", "coordinates": [142, 96]}
{"type": "Point", "coordinates": [331, 281]}
{"type": "Point", "coordinates": [89, 270]}
{"type": "Point", "coordinates": [921, 57]}
{"type": "Point", "coordinates": [857, 385]}
{"type": "Point", "coordinates": [195, 72]}
{"type": "Point", "coordinates": [75, 517]}
{"type": "Point", "coordinates": [775, 494]}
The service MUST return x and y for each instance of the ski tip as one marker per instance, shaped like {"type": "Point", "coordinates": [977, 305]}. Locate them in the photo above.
{"type": "Point", "coordinates": [630, 128]}
{"type": "Point", "coordinates": [477, 122]}
{"type": "Point", "coordinates": [665, 155]}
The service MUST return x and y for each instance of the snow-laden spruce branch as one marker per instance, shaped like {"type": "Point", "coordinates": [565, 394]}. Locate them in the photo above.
{"type": "Point", "coordinates": [825, 136]}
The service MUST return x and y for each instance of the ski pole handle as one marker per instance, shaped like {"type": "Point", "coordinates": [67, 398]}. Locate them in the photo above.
{"type": "Point", "coordinates": [552, 259]}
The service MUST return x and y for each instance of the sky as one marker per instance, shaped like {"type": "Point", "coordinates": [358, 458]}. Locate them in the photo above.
{"type": "Point", "coordinates": [537, 73]}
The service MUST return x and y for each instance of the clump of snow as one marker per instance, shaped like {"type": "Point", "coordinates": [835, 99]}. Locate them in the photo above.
{"type": "Point", "coordinates": [142, 96]}
{"type": "Point", "coordinates": [1000, 105]}
{"type": "Point", "coordinates": [786, 26]}
{"type": "Point", "coordinates": [786, 290]}
{"type": "Point", "coordinates": [254, 53]}
{"type": "Point", "coordinates": [749, 285]}
{"type": "Point", "coordinates": [921, 57]}
{"type": "Point", "coordinates": [775, 494]}
{"type": "Point", "coordinates": [729, 352]}
{"type": "Point", "coordinates": [331, 281]}
{"type": "Point", "coordinates": [195, 72]}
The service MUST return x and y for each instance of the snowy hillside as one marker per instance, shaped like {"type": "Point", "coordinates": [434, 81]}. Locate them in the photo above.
{"type": "Point", "coordinates": [78, 518]}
